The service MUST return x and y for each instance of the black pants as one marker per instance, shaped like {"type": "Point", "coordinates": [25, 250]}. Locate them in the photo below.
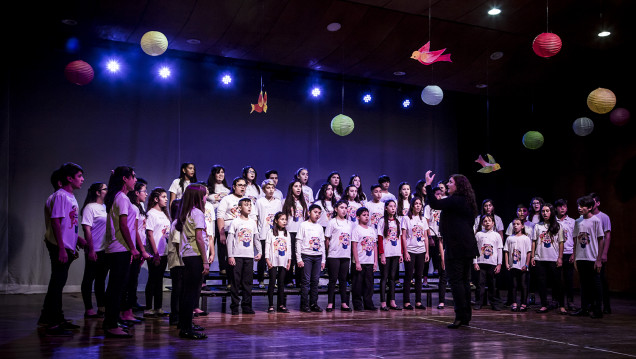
{"type": "Point", "coordinates": [276, 276]}
{"type": "Point", "coordinates": [176, 277]}
{"type": "Point", "coordinates": [486, 279]}
{"type": "Point", "coordinates": [311, 277]}
{"type": "Point", "coordinates": [242, 279]}
{"type": "Point", "coordinates": [548, 273]}
{"type": "Point", "coordinates": [193, 267]}
{"type": "Point", "coordinates": [458, 270]}
{"type": "Point", "coordinates": [388, 273]}
{"type": "Point", "coordinates": [294, 273]}
{"type": "Point", "coordinates": [338, 269]}
{"type": "Point", "coordinates": [52, 313]}
{"type": "Point", "coordinates": [362, 287]}
{"type": "Point", "coordinates": [154, 286]}
{"type": "Point", "coordinates": [591, 287]}
{"type": "Point", "coordinates": [261, 266]}
{"type": "Point", "coordinates": [568, 278]}
{"type": "Point", "coordinates": [119, 267]}
{"type": "Point", "coordinates": [519, 284]}
{"type": "Point", "coordinates": [221, 251]}
{"type": "Point", "coordinates": [94, 272]}
{"type": "Point", "coordinates": [129, 297]}
{"type": "Point", "coordinates": [436, 256]}
{"type": "Point", "coordinates": [413, 269]}
{"type": "Point", "coordinates": [605, 288]}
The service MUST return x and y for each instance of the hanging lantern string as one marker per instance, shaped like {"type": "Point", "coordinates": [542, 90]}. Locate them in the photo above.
{"type": "Point", "coordinates": [487, 108]}
{"type": "Point", "coordinates": [547, 16]}
{"type": "Point", "coordinates": [430, 19]}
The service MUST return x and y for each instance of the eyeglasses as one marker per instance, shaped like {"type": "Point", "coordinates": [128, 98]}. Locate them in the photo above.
{"type": "Point", "coordinates": [241, 185]}
{"type": "Point", "coordinates": [251, 171]}
{"type": "Point", "coordinates": [144, 191]}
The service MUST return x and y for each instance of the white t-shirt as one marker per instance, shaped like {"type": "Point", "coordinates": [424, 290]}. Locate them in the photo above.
{"type": "Point", "coordinates": [242, 239]}
{"type": "Point", "coordinates": [586, 234]}
{"type": "Point", "coordinates": [266, 211]}
{"type": "Point", "coordinates": [253, 192]}
{"type": "Point", "coordinates": [376, 213]}
{"type": "Point", "coordinates": [295, 219]}
{"type": "Point", "coordinates": [141, 226]}
{"type": "Point", "coordinates": [432, 218]}
{"type": "Point", "coordinates": [176, 188]}
{"type": "Point", "coordinates": [210, 223]}
{"type": "Point", "coordinates": [529, 227]}
{"type": "Point", "coordinates": [546, 244]}
{"type": "Point", "coordinates": [94, 216]}
{"type": "Point", "coordinates": [518, 249]}
{"type": "Point", "coordinates": [278, 194]}
{"type": "Point", "coordinates": [115, 241]}
{"type": "Point", "coordinates": [352, 208]}
{"type": "Point", "coordinates": [228, 210]}
{"type": "Point", "coordinates": [278, 248]}
{"type": "Point", "coordinates": [366, 238]}
{"type": "Point", "coordinates": [309, 195]}
{"type": "Point", "coordinates": [64, 205]}
{"type": "Point", "coordinates": [339, 233]}
{"type": "Point", "coordinates": [310, 241]}
{"type": "Point", "coordinates": [387, 196]}
{"type": "Point", "coordinates": [406, 205]}
{"type": "Point", "coordinates": [391, 242]}
{"type": "Point", "coordinates": [567, 225]}
{"type": "Point", "coordinates": [195, 220]}
{"type": "Point", "coordinates": [498, 224]}
{"type": "Point", "coordinates": [159, 224]}
{"type": "Point", "coordinates": [605, 221]}
{"type": "Point", "coordinates": [326, 214]}
{"type": "Point", "coordinates": [221, 191]}
{"type": "Point", "coordinates": [489, 245]}
{"type": "Point", "coordinates": [415, 234]}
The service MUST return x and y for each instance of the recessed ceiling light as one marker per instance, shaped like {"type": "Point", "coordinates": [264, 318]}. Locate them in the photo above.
{"type": "Point", "coordinates": [494, 11]}
{"type": "Point", "coordinates": [399, 73]}
{"type": "Point", "coordinates": [496, 55]}
{"type": "Point", "coordinates": [193, 41]}
{"type": "Point", "coordinates": [604, 33]}
{"type": "Point", "coordinates": [69, 22]}
{"type": "Point", "coordinates": [481, 86]}
{"type": "Point", "coordinates": [334, 26]}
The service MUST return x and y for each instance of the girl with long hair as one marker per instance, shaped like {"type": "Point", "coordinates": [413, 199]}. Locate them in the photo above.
{"type": "Point", "coordinates": [336, 183]}
{"type": "Point", "coordinates": [302, 175]}
{"type": "Point", "coordinates": [352, 196]}
{"type": "Point", "coordinates": [404, 199]}
{"type": "Point", "coordinates": [415, 249]}
{"type": "Point", "coordinates": [390, 250]}
{"type": "Point", "coordinates": [157, 233]}
{"type": "Point", "coordinates": [253, 191]}
{"type": "Point", "coordinates": [534, 213]}
{"type": "Point", "coordinates": [517, 259]}
{"type": "Point", "coordinates": [187, 175]}
{"type": "Point", "coordinates": [356, 181]}
{"type": "Point", "coordinates": [326, 200]}
{"type": "Point", "coordinates": [278, 258]}
{"type": "Point", "coordinates": [295, 208]}
{"type": "Point", "coordinates": [338, 249]}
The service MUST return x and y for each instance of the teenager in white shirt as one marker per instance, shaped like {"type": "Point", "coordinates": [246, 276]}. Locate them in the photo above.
{"type": "Point", "coordinates": [567, 225]}
{"type": "Point", "coordinates": [375, 206]}
{"type": "Point", "coordinates": [252, 190]}
{"type": "Point", "coordinates": [357, 181]}
{"type": "Point", "coordinates": [607, 236]}
{"type": "Point", "coordinates": [335, 181]}
{"type": "Point", "coordinates": [338, 248]}
{"type": "Point", "coordinates": [157, 233]}
{"type": "Point", "coordinates": [95, 270]}
{"type": "Point", "coordinates": [534, 214]}
{"type": "Point", "coordinates": [385, 183]}
{"type": "Point", "coordinates": [517, 253]}
{"type": "Point", "coordinates": [353, 202]}
{"type": "Point", "coordinates": [404, 199]}
{"type": "Point", "coordinates": [326, 201]}
{"type": "Point", "coordinates": [488, 264]}
{"type": "Point", "coordinates": [487, 207]}
{"type": "Point", "coordinates": [310, 256]}
{"type": "Point", "coordinates": [227, 211]}
{"type": "Point", "coordinates": [266, 207]}
{"type": "Point", "coordinates": [302, 175]}
{"type": "Point", "coordinates": [278, 257]}
{"type": "Point", "coordinates": [273, 175]}
{"type": "Point", "coordinates": [187, 175]}
{"type": "Point", "coordinates": [415, 249]}
{"type": "Point", "coordinates": [364, 248]}
{"type": "Point", "coordinates": [390, 249]}
{"type": "Point", "coordinates": [295, 208]}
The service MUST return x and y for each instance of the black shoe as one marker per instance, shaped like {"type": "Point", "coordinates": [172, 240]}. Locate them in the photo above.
{"type": "Point", "coordinates": [282, 309]}
{"type": "Point", "coordinates": [305, 310]}
{"type": "Point", "coordinates": [420, 306]}
{"type": "Point", "coordinates": [440, 307]}
{"type": "Point", "coordinates": [93, 316]}
{"type": "Point", "coordinates": [202, 314]}
{"type": "Point", "coordinates": [596, 315]}
{"type": "Point", "coordinates": [315, 308]}
{"type": "Point", "coordinates": [130, 323]}
{"type": "Point", "coordinates": [477, 307]}
{"type": "Point", "coordinates": [408, 307]}
{"type": "Point", "coordinates": [542, 310]}
{"type": "Point", "coordinates": [348, 309]}
{"type": "Point", "coordinates": [580, 313]}
{"type": "Point", "coordinates": [455, 325]}
{"type": "Point", "coordinates": [57, 331]}
{"type": "Point", "coordinates": [395, 308]}
{"type": "Point", "coordinates": [358, 309]}
{"type": "Point", "coordinates": [496, 308]}
{"type": "Point", "coordinates": [607, 311]}
{"type": "Point", "coordinates": [248, 311]}
{"type": "Point", "coordinates": [329, 310]}
{"type": "Point", "coordinates": [69, 326]}
{"type": "Point", "coordinates": [192, 335]}
{"type": "Point", "coordinates": [271, 310]}
{"type": "Point", "coordinates": [384, 309]}
{"type": "Point", "coordinates": [235, 312]}
{"type": "Point", "coordinates": [371, 308]}
{"type": "Point", "coordinates": [173, 322]}
{"type": "Point", "coordinates": [198, 328]}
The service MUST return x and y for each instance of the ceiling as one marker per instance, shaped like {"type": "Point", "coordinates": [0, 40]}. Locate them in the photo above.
{"type": "Point", "coordinates": [377, 36]}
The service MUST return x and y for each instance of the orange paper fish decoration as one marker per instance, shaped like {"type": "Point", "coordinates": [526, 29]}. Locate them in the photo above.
{"type": "Point", "coordinates": [261, 106]}
{"type": "Point", "coordinates": [427, 57]}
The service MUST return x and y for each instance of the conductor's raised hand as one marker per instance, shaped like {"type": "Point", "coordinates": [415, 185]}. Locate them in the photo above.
{"type": "Point", "coordinates": [429, 177]}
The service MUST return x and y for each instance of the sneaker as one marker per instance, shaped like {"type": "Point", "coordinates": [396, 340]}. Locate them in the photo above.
{"type": "Point", "coordinates": [57, 331]}
{"type": "Point", "coordinates": [248, 311]}
{"type": "Point", "coordinates": [315, 308]}
{"type": "Point", "coordinates": [150, 313]}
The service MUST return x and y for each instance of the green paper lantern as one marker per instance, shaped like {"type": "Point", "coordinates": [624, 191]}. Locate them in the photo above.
{"type": "Point", "coordinates": [583, 126]}
{"type": "Point", "coordinates": [532, 140]}
{"type": "Point", "coordinates": [154, 43]}
{"type": "Point", "coordinates": [342, 125]}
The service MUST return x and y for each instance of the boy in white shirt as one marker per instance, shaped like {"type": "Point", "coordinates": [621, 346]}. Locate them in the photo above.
{"type": "Point", "coordinates": [488, 264]}
{"type": "Point", "coordinates": [227, 211]}
{"type": "Point", "coordinates": [375, 207]}
{"type": "Point", "coordinates": [567, 225]}
{"type": "Point", "coordinates": [607, 235]}
{"type": "Point", "coordinates": [266, 207]}
{"type": "Point", "coordinates": [240, 251]}
{"type": "Point", "coordinates": [310, 255]}
{"type": "Point", "coordinates": [364, 247]}
{"type": "Point", "coordinates": [273, 175]}
{"type": "Point", "coordinates": [385, 183]}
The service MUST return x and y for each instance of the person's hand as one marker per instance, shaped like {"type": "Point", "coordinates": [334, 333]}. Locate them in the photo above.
{"type": "Point", "coordinates": [269, 265]}
{"type": "Point", "coordinates": [571, 258]}
{"type": "Point", "coordinates": [604, 258]}
{"type": "Point", "coordinates": [401, 259]}
{"type": "Point", "coordinates": [476, 266]}
{"type": "Point", "coordinates": [598, 264]}
{"type": "Point", "coordinates": [375, 267]}
{"type": "Point", "coordinates": [231, 261]}
{"type": "Point", "coordinates": [407, 257]}
{"type": "Point", "coordinates": [63, 256]}
{"type": "Point", "coordinates": [92, 256]}
{"type": "Point", "coordinates": [287, 267]}
{"type": "Point", "coordinates": [322, 266]}
{"type": "Point", "coordinates": [301, 264]}
{"type": "Point", "coordinates": [429, 177]}
{"type": "Point", "coordinates": [559, 262]}
{"type": "Point", "coordinates": [206, 269]}
{"type": "Point", "coordinates": [358, 267]}
{"type": "Point", "coordinates": [508, 266]}
{"type": "Point", "coordinates": [426, 258]}
{"type": "Point", "coordinates": [383, 259]}
{"type": "Point", "coordinates": [257, 257]}
{"type": "Point", "coordinates": [156, 259]}
{"type": "Point", "coordinates": [210, 259]}
{"type": "Point", "coordinates": [134, 253]}
{"type": "Point", "coordinates": [533, 262]}
{"type": "Point", "coordinates": [498, 268]}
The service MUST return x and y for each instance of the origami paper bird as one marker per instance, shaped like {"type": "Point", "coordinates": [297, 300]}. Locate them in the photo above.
{"type": "Point", "coordinates": [489, 166]}
{"type": "Point", "coordinates": [261, 106]}
{"type": "Point", "coordinates": [427, 57]}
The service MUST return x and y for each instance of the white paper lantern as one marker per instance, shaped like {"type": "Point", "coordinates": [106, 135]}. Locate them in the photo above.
{"type": "Point", "coordinates": [432, 95]}
{"type": "Point", "coordinates": [583, 126]}
{"type": "Point", "coordinates": [154, 43]}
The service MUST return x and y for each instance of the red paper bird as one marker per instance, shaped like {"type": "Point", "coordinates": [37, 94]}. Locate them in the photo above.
{"type": "Point", "coordinates": [261, 106]}
{"type": "Point", "coordinates": [427, 57]}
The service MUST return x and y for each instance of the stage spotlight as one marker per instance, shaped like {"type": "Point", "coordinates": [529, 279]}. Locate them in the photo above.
{"type": "Point", "coordinates": [316, 92]}
{"type": "Point", "coordinates": [164, 72]}
{"type": "Point", "coordinates": [113, 66]}
{"type": "Point", "coordinates": [367, 98]}
{"type": "Point", "coordinates": [226, 79]}
{"type": "Point", "coordinates": [406, 103]}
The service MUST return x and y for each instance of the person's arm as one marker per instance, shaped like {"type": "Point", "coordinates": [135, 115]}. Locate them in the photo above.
{"type": "Point", "coordinates": [90, 247]}
{"type": "Point", "coordinates": [56, 224]}
{"type": "Point", "coordinates": [528, 256]}
{"type": "Point", "coordinates": [140, 245]}
{"type": "Point", "coordinates": [173, 196]}
{"type": "Point", "coordinates": [257, 245]}
{"type": "Point", "coordinates": [606, 245]}
{"type": "Point", "coordinates": [375, 258]}
{"type": "Point", "coordinates": [407, 256]}
{"type": "Point", "coordinates": [559, 261]}
{"type": "Point", "coordinates": [598, 264]}
{"type": "Point", "coordinates": [505, 254]}
{"type": "Point", "coordinates": [426, 256]}
{"type": "Point", "coordinates": [354, 249]}
{"type": "Point", "coordinates": [441, 253]}
{"type": "Point", "coordinates": [327, 241]}
{"type": "Point", "coordinates": [268, 251]}
{"type": "Point", "coordinates": [220, 221]}
{"type": "Point", "coordinates": [204, 254]}
{"type": "Point", "coordinates": [323, 252]}
{"type": "Point", "coordinates": [127, 234]}
{"type": "Point", "coordinates": [534, 248]}
{"type": "Point", "coordinates": [499, 255]}
{"type": "Point", "coordinates": [299, 258]}
{"type": "Point", "coordinates": [230, 248]}
{"type": "Point", "coordinates": [380, 247]}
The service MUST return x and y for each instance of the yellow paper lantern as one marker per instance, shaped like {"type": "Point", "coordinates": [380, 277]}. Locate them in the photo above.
{"type": "Point", "coordinates": [601, 100]}
{"type": "Point", "coordinates": [342, 125]}
{"type": "Point", "coordinates": [532, 140]}
{"type": "Point", "coordinates": [154, 43]}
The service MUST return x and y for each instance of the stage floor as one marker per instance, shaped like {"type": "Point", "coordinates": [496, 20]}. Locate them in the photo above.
{"type": "Point", "coordinates": [336, 335]}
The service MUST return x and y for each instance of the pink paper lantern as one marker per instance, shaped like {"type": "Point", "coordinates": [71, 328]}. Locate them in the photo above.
{"type": "Point", "coordinates": [619, 116]}
{"type": "Point", "coordinates": [546, 44]}
{"type": "Point", "coordinates": [79, 72]}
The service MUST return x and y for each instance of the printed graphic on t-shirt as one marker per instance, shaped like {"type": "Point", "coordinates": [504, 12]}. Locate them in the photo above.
{"type": "Point", "coordinates": [375, 219]}
{"type": "Point", "coordinates": [298, 212]}
{"type": "Point", "coordinates": [244, 235]}
{"type": "Point", "coordinates": [314, 243]}
{"type": "Point", "coordinates": [328, 214]}
{"type": "Point", "coordinates": [307, 199]}
{"type": "Point", "coordinates": [435, 215]}
{"type": "Point", "coordinates": [352, 213]}
{"type": "Point", "coordinates": [208, 215]}
{"type": "Point", "coordinates": [235, 211]}
{"type": "Point", "coordinates": [516, 256]}
{"type": "Point", "coordinates": [392, 236]}
{"type": "Point", "coordinates": [486, 250]}
{"type": "Point", "coordinates": [281, 246]}
{"type": "Point", "coordinates": [344, 240]}
{"type": "Point", "coordinates": [584, 239]}
{"type": "Point", "coordinates": [72, 215]}
{"type": "Point", "coordinates": [546, 239]}
{"type": "Point", "coordinates": [405, 211]}
{"type": "Point", "coordinates": [418, 232]}
{"type": "Point", "coordinates": [367, 245]}
{"type": "Point", "coordinates": [270, 220]}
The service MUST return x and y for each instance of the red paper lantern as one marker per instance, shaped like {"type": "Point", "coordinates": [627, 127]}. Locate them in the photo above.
{"type": "Point", "coordinates": [546, 44]}
{"type": "Point", "coordinates": [79, 72]}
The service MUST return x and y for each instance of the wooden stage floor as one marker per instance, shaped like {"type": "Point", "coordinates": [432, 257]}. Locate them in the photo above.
{"type": "Point", "coordinates": [420, 334]}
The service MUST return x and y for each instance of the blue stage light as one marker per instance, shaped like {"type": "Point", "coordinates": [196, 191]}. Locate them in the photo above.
{"type": "Point", "coordinates": [406, 103]}
{"type": "Point", "coordinates": [367, 98]}
{"type": "Point", "coordinates": [316, 92]}
{"type": "Point", "coordinates": [164, 72]}
{"type": "Point", "coordinates": [113, 66]}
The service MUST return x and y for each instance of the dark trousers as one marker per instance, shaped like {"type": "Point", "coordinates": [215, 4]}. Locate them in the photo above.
{"type": "Point", "coordinates": [413, 269]}
{"type": "Point", "coordinates": [311, 277]}
{"type": "Point", "coordinates": [519, 284]}
{"type": "Point", "coordinates": [94, 272]}
{"type": "Point", "coordinates": [276, 276]}
{"type": "Point", "coordinates": [338, 269]}
{"type": "Point", "coordinates": [221, 252]}
{"type": "Point", "coordinates": [119, 267]}
{"type": "Point", "coordinates": [261, 266]}
{"type": "Point", "coordinates": [486, 279]}
{"type": "Point", "coordinates": [242, 279]}
{"type": "Point", "coordinates": [129, 297]}
{"type": "Point", "coordinates": [591, 287]}
{"type": "Point", "coordinates": [154, 286]}
{"type": "Point", "coordinates": [388, 274]}
{"type": "Point", "coordinates": [568, 278]}
{"type": "Point", "coordinates": [605, 288]}
{"type": "Point", "coordinates": [294, 272]}
{"type": "Point", "coordinates": [436, 256]}
{"type": "Point", "coordinates": [52, 313]}
{"type": "Point", "coordinates": [458, 270]}
{"type": "Point", "coordinates": [362, 287]}
{"type": "Point", "coordinates": [193, 267]}
{"type": "Point", "coordinates": [547, 272]}
{"type": "Point", "coordinates": [176, 277]}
